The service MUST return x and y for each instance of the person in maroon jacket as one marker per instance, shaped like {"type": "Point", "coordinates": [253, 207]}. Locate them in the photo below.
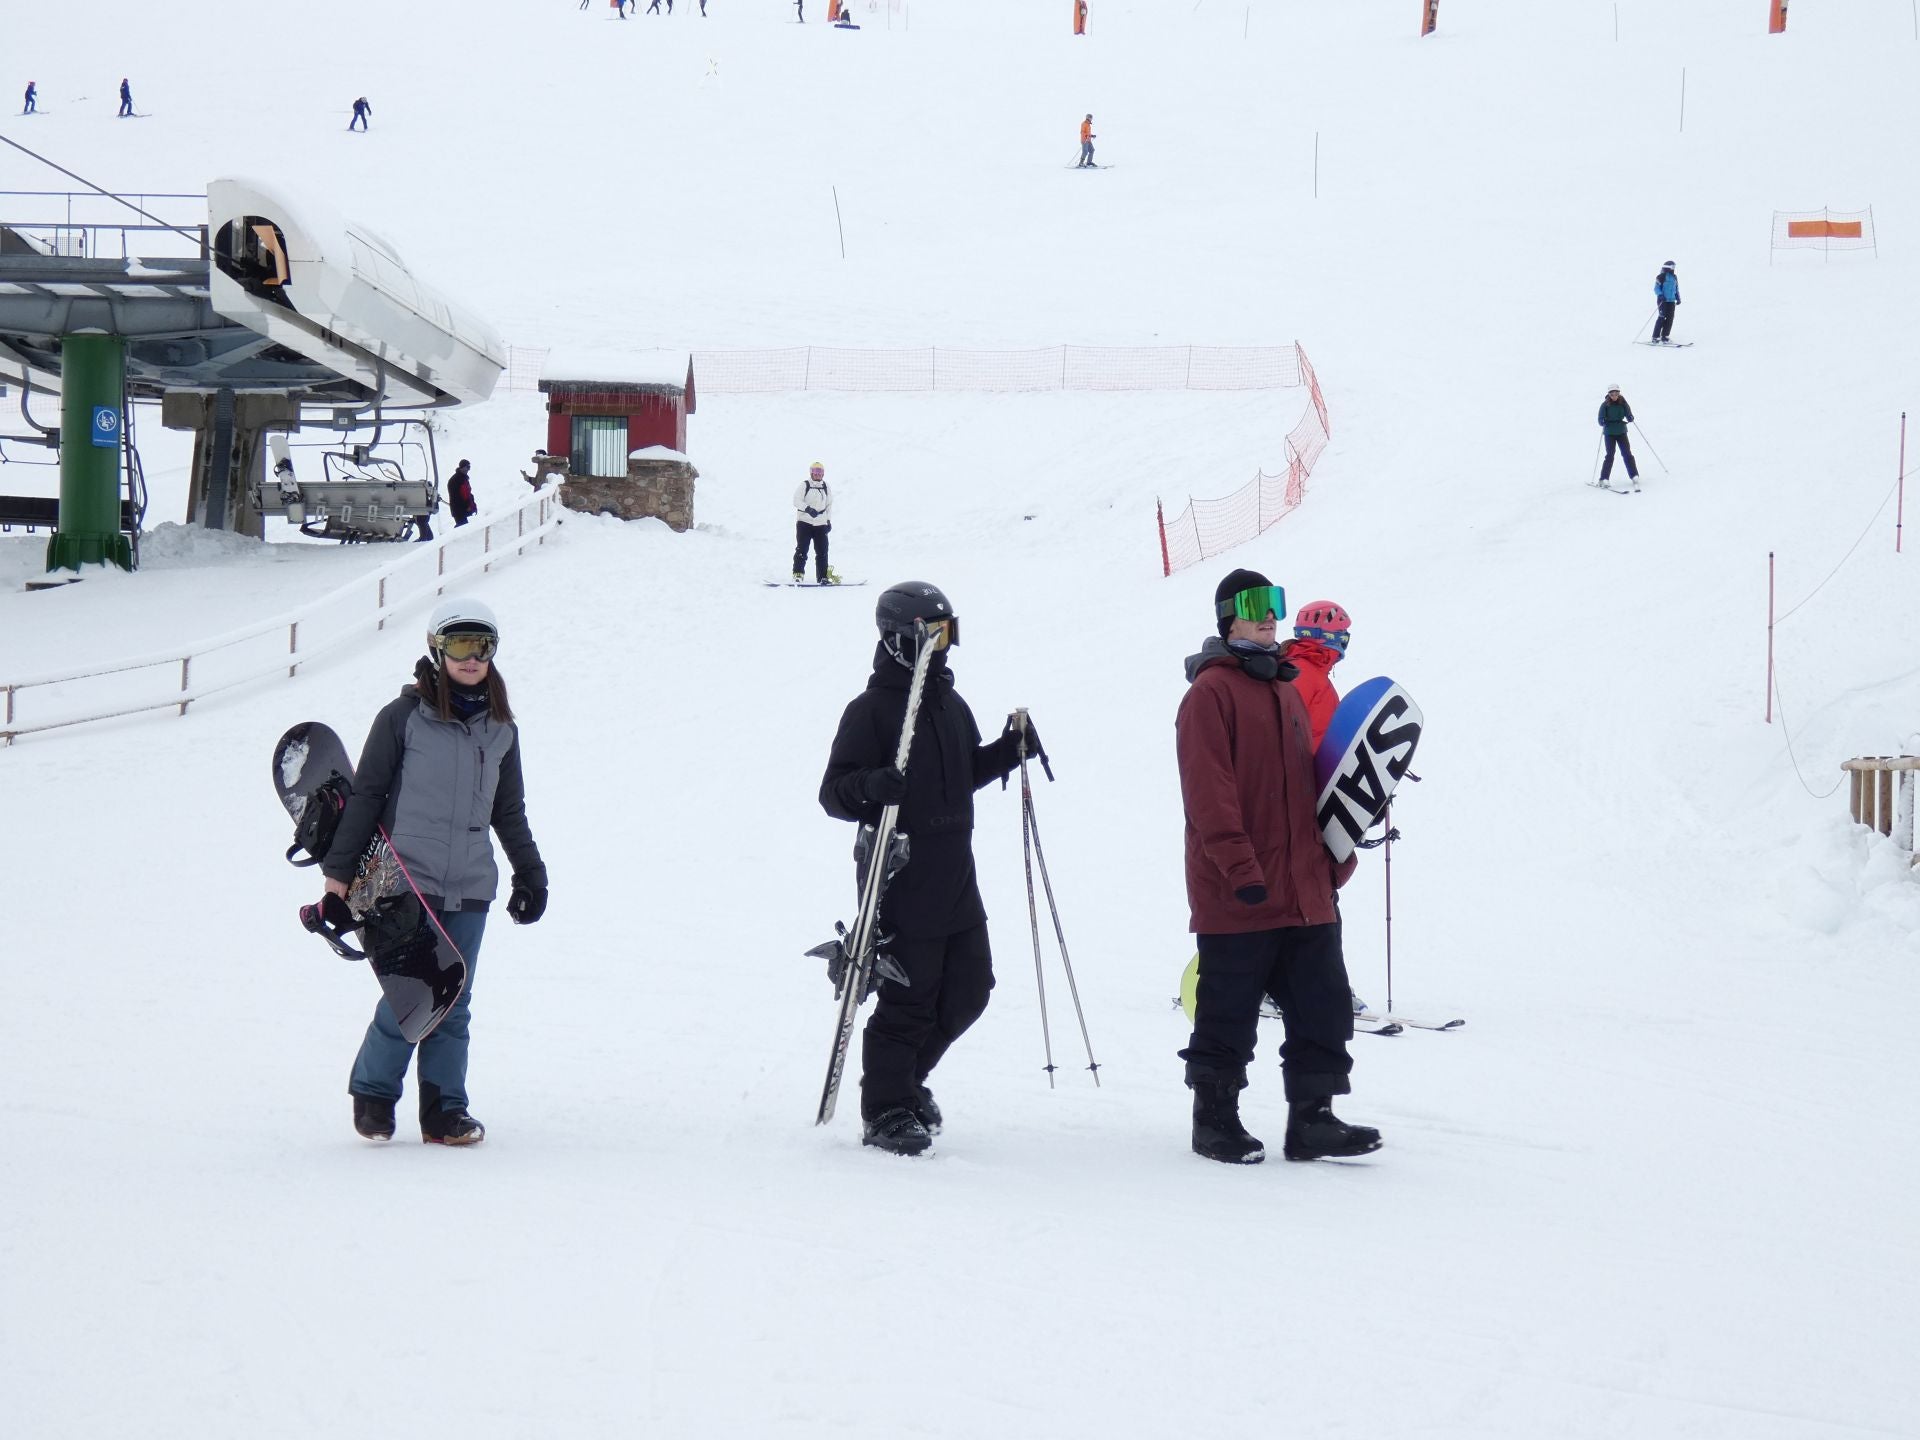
{"type": "Point", "coordinates": [1260, 885]}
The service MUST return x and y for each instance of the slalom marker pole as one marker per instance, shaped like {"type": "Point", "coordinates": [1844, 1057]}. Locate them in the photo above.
{"type": "Point", "coordinates": [1651, 451]}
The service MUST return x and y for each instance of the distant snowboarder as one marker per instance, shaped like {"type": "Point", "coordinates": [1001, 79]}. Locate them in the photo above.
{"type": "Point", "coordinates": [812, 519]}
{"type": "Point", "coordinates": [361, 110]}
{"type": "Point", "coordinates": [1086, 145]}
{"type": "Point", "coordinates": [1615, 416]}
{"type": "Point", "coordinates": [126, 98]}
{"type": "Point", "coordinates": [1666, 293]}
{"type": "Point", "coordinates": [33, 103]}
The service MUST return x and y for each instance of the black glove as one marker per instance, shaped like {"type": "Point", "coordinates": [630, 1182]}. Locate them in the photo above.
{"type": "Point", "coordinates": [528, 902]}
{"type": "Point", "coordinates": [1251, 894]}
{"type": "Point", "coordinates": [884, 786]}
{"type": "Point", "coordinates": [1011, 735]}
{"type": "Point", "coordinates": [812, 511]}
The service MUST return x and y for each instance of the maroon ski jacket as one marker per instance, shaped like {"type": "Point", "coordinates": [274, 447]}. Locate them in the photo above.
{"type": "Point", "coordinates": [1246, 776]}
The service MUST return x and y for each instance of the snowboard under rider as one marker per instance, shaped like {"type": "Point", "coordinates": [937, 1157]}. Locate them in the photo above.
{"type": "Point", "coordinates": [1666, 295]}
{"type": "Point", "coordinates": [931, 916]}
{"type": "Point", "coordinates": [1615, 415]}
{"type": "Point", "coordinates": [1260, 887]}
{"type": "Point", "coordinates": [812, 519]}
{"type": "Point", "coordinates": [440, 767]}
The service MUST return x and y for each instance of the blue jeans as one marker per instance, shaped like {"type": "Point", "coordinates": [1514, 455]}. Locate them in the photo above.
{"type": "Point", "coordinates": [380, 1069]}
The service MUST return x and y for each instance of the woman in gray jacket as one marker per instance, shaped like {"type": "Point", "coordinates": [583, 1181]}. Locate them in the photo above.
{"type": "Point", "coordinates": [441, 767]}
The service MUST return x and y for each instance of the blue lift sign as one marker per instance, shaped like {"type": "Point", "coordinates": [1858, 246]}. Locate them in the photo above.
{"type": "Point", "coordinates": [106, 426]}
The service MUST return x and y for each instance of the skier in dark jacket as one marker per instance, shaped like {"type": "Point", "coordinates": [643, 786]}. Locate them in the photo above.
{"type": "Point", "coordinates": [460, 494]}
{"type": "Point", "coordinates": [1260, 885]}
{"type": "Point", "coordinates": [932, 909]}
{"type": "Point", "coordinates": [1666, 294]}
{"type": "Point", "coordinates": [126, 98]}
{"type": "Point", "coordinates": [33, 102]}
{"type": "Point", "coordinates": [441, 765]}
{"type": "Point", "coordinates": [1615, 416]}
{"type": "Point", "coordinates": [361, 110]}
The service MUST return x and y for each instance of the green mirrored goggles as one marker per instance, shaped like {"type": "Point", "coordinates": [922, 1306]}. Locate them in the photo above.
{"type": "Point", "coordinates": [1256, 604]}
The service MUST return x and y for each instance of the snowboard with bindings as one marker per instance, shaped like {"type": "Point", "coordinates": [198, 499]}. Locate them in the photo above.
{"type": "Point", "coordinates": [420, 970]}
{"type": "Point", "coordinates": [1366, 751]}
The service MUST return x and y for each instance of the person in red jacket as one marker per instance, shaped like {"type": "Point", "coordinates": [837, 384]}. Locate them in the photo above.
{"type": "Point", "coordinates": [1260, 885]}
{"type": "Point", "coordinates": [1320, 634]}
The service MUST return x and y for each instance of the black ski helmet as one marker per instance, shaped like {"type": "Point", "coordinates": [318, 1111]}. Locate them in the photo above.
{"type": "Point", "coordinates": [903, 604]}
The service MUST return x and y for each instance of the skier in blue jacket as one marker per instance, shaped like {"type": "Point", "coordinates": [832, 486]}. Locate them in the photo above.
{"type": "Point", "coordinates": [1666, 293]}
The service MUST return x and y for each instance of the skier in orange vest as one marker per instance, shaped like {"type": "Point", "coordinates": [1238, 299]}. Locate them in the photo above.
{"type": "Point", "coordinates": [1086, 145]}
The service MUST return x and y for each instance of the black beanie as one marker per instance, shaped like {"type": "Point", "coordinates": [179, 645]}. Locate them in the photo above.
{"type": "Point", "coordinates": [1231, 586]}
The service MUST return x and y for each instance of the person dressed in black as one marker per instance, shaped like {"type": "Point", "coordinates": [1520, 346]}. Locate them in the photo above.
{"type": "Point", "coordinates": [1615, 416]}
{"type": "Point", "coordinates": [361, 110]}
{"type": "Point", "coordinates": [126, 98]}
{"type": "Point", "coordinates": [460, 494]}
{"type": "Point", "coordinates": [932, 920]}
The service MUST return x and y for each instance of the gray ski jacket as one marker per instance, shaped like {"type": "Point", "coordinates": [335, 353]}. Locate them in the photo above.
{"type": "Point", "coordinates": [436, 786]}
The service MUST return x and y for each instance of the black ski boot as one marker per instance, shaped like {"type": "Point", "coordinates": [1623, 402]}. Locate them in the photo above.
{"type": "Point", "coordinates": [451, 1127]}
{"type": "Point", "coordinates": [898, 1131]}
{"type": "Point", "coordinates": [373, 1117]}
{"type": "Point", "coordinates": [1314, 1132]}
{"type": "Point", "coordinates": [1217, 1131]}
{"type": "Point", "coordinates": [927, 1111]}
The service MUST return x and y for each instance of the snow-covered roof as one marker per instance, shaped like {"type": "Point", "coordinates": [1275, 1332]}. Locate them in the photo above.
{"type": "Point", "coordinates": [655, 452]}
{"type": "Point", "coordinates": [575, 364]}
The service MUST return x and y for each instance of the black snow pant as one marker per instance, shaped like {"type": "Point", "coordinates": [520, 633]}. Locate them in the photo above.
{"type": "Point", "coordinates": [912, 1025]}
{"type": "Point", "coordinates": [1663, 327]}
{"type": "Point", "coordinates": [816, 536]}
{"type": "Point", "coordinates": [1626, 453]}
{"type": "Point", "coordinates": [423, 528]}
{"type": "Point", "coordinates": [1301, 967]}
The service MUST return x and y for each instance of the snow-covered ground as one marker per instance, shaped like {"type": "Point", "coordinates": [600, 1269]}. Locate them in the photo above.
{"type": "Point", "coordinates": [1658, 1186]}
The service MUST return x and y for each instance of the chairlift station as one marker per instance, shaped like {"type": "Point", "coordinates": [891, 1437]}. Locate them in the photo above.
{"type": "Point", "coordinates": [284, 313]}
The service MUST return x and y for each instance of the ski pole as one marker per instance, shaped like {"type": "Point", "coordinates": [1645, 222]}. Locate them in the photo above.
{"type": "Point", "coordinates": [1033, 916]}
{"type": "Point", "coordinates": [1643, 324]}
{"type": "Point", "coordinates": [1389, 883]}
{"type": "Point", "coordinates": [1653, 452]}
{"type": "Point", "coordinates": [1598, 446]}
{"type": "Point", "coordinates": [1031, 824]}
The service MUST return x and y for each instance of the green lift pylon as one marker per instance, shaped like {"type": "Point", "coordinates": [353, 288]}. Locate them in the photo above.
{"type": "Point", "coordinates": [93, 377]}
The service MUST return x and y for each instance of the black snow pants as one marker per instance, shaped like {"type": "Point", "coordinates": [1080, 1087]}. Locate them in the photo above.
{"type": "Point", "coordinates": [1301, 967]}
{"type": "Point", "coordinates": [1663, 327]}
{"type": "Point", "coordinates": [912, 1025]}
{"type": "Point", "coordinates": [1626, 453]}
{"type": "Point", "coordinates": [816, 536]}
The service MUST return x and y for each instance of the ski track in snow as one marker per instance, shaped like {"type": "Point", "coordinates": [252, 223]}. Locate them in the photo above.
{"type": "Point", "coordinates": [1658, 1186]}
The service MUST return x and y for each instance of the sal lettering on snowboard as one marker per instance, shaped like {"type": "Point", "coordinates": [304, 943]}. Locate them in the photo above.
{"type": "Point", "coordinates": [420, 970]}
{"type": "Point", "coordinates": [1365, 753]}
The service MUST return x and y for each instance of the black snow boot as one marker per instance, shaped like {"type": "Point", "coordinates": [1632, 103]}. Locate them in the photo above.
{"type": "Point", "coordinates": [927, 1111]}
{"type": "Point", "coordinates": [898, 1131]}
{"type": "Point", "coordinates": [451, 1127]}
{"type": "Point", "coordinates": [1217, 1131]}
{"type": "Point", "coordinates": [1314, 1132]}
{"type": "Point", "coordinates": [373, 1117]}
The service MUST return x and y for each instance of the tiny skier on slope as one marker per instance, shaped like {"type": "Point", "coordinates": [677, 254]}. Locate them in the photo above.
{"type": "Point", "coordinates": [1666, 294]}
{"type": "Point", "coordinates": [126, 98]}
{"type": "Point", "coordinates": [361, 110]}
{"type": "Point", "coordinates": [1260, 886]}
{"type": "Point", "coordinates": [812, 519]}
{"type": "Point", "coordinates": [931, 909]}
{"type": "Point", "coordinates": [1615, 415]}
{"type": "Point", "coordinates": [1086, 145]}
{"type": "Point", "coordinates": [33, 102]}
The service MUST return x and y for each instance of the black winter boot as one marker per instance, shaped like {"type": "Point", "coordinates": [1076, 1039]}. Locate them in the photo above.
{"type": "Point", "coordinates": [898, 1131]}
{"type": "Point", "coordinates": [451, 1127]}
{"type": "Point", "coordinates": [1314, 1132]}
{"type": "Point", "coordinates": [927, 1111]}
{"type": "Point", "coordinates": [373, 1117]}
{"type": "Point", "coordinates": [1217, 1131]}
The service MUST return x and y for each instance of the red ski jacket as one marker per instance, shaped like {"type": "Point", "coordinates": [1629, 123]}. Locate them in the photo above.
{"type": "Point", "coordinates": [1246, 777]}
{"type": "Point", "coordinates": [1315, 663]}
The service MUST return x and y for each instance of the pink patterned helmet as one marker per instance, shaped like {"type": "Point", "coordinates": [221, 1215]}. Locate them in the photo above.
{"type": "Point", "coordinates": [1324, 621]}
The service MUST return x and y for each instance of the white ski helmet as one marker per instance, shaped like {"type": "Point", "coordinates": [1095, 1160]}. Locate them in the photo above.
{"type": "Point", "coordinates": [463, 616]}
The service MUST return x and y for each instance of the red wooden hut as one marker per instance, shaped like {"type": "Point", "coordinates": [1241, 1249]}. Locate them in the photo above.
{"type": "Point", "coordinates": [603, 406]}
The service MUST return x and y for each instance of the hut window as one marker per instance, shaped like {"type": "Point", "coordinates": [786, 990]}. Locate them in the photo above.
{"type": "Point", "coordinates": [599, 445]}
